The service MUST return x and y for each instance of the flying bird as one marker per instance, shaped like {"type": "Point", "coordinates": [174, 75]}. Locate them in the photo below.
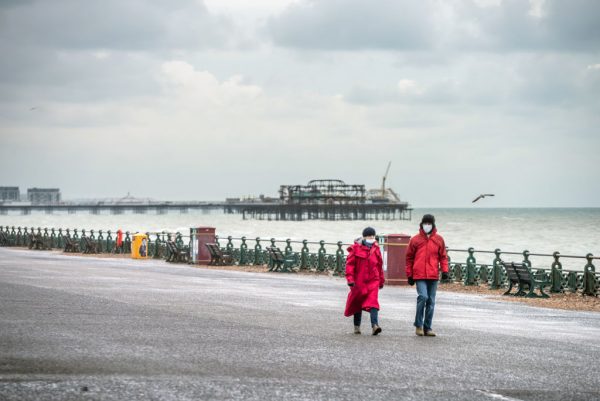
{"type": "Point", "coordinates": [33, 108]}
{"type": "Point", "coordinates": [481, 197]}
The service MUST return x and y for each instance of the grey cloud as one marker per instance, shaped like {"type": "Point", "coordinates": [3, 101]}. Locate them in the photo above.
{"type": "Point", "coordinates": [438, 92]}
{"type": "Point", "coordinates": [564, 25]}
{"type": "Point", "coordinates": [421, 25]}
{"type": "Point", "coordinates": [112, 24]}
{"type": "Point", "coordinates": [511, 81]}
{"type": "Point", "coordinates": [353, 24]}
{"type": "Point", "coordinates": [49, 47]}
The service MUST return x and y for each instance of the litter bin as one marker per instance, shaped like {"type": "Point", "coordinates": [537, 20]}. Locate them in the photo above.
{"type": "Point", "coordinates": [139, 247]}
{"type": "Point", "coordinates": [200, 237]}
{"type": "Point", "coordinates": [394, 258]}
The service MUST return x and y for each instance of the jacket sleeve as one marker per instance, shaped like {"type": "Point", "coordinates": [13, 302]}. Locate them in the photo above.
{"type": "Point", "coordinates": [443, 257]}
{"type": "Point", "coordinates": [410, 258]}
{"type": "Point", "coordinates": [350, 263]}
{"type": "Point", "coordinates": [380, 268]}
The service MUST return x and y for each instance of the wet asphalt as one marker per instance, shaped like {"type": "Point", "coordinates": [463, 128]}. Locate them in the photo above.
{"type": "Point", "coordinates": [84, 328]}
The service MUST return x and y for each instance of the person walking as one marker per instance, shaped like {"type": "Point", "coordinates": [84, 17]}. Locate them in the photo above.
{"type": "Point", "coordinates": [425, 255]}
{"type": "Point", "coordinates": [364, 275]}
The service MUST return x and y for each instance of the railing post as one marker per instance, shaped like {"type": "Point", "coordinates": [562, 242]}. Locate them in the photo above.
{"type": "Point", "coordinates": [109, 242]}
{"type": "Point", "coordinates": [243, 252]}
{"type": "Point", "coordinates": [19, 240]}
{"type": "Point", "coordinates": [270, 263]}
{"type": "Point", "coordinates": [526, 260]}
{"type": "Point", "coordinates": [101, 243]}
{"type": "Point", "coordinates": [46, 237]}
{"type": "Point", "coordinates": [469, 278]}
{"type": "Point", "coordinates": [590, 285]}
{"type": "Point", "coordinates": [82, 241]}
{"type": "Point", "coordinates": [257, 252]}
{"type": "Point", "coordinates": [340, 268]}
{"type": "Point", "coordinates": [304, 255]}
{"type": "Point", "coordinates": [157, 245]}
{"type": "Point", "coordinates": [497, 271]}
{"type": "Point", "coordinates": [321, 256]}
{"type": "Point", "coordinates": [556, 274]}
{"type": "Point", "coordinates": [52, 238]}
{"type": "Point", "coordinates": [127, 243]}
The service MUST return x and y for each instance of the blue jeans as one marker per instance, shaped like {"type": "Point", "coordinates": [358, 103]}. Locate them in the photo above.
{"type": "Point", "coordinates": [373, 312]}
{"type": "Point", "coordinates": [425, 302]}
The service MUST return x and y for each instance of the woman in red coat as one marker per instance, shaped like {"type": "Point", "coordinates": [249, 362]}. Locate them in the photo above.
{"type": "Point", "coordinates": [364, 275]}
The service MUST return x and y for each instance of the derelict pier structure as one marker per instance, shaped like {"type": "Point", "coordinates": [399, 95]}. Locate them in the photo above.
{"type": "Point", "coordinates": [328, 200]}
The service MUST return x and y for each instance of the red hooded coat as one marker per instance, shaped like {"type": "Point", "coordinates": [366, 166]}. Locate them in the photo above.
{"type": "Point", "coordinates": [364, 269]}
{"type": "Point", "coordinates": [425, 255]}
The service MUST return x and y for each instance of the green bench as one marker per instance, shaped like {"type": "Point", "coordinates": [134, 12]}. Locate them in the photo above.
{"type": "Point", "coordinates": [279, 261]}
{"type": "Point", "coordinates": [218, 256]}
{"type": "Point", "coordinates": [36, 241]}
{"type": "Point", "coordinates": [522, 275]}
{"type": "Point", "coordinates": [90, 246]}
{"type": "Point", "coordinates": [176, 253]}
{"type": "Point", "coordinates": [71, 245]}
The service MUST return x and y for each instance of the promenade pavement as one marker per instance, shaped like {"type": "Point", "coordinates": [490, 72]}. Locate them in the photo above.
{"type": "Point", "coordinates": [86, 328]}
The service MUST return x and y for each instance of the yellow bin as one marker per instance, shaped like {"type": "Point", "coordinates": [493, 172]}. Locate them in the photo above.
{"type": "Point", "coordinates": [139, 247]}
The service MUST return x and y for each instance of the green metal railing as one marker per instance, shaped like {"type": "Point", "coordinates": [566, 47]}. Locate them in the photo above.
{"type": "Point", "coordinates": [106, 239]}
{"type": "Point", "coordinates": [324, 256]}
{"type": "Point", "coordinates": [329, 257]}
{"type": "Point", "coordinates": [586, 280]}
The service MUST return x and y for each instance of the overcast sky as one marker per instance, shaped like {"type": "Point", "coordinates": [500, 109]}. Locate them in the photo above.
{"type": "Point", "coordinates": [210, 99]}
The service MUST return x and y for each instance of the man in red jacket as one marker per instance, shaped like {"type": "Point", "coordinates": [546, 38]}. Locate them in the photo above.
{"type": "Point", "coordinates": [426, 253]}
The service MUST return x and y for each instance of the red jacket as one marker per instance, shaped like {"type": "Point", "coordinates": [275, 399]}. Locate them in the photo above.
{"type": "Point", "coordinates": [364, 269]}
{"type": "Point", "coordinates": [425, 255]}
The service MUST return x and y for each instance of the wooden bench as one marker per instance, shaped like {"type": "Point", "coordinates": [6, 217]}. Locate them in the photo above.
{"type": "Point", "coordinates": [6, 240]}
{"type": "Point", "coordinates": [279, 261]}
{"type": "Point", "coordinates": [36, 241]}
{"type": "Point", "coordinates": [177, 254]}
{"type": "Point", "coordinates": [219, 256]}
{"type": "Point", "coordinates": [70, 244]}
{"type": "Point", "coordinates": [522, 275]}
{"type": "Point", "coordinates": [3, 239]}
{"type": "Point", "coordinates": [513, 279]}
{"type": "Point", "coordinates": [90, 246]}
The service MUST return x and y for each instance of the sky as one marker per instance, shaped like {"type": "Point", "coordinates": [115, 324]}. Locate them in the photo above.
{"type": "Point", "coordinates": [202, 100]}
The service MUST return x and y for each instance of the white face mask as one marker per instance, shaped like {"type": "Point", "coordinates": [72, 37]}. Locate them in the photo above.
{"type": "Point", "coordinates": [370, 241]}
{"type": "Point", "coordinates": [427, 228]}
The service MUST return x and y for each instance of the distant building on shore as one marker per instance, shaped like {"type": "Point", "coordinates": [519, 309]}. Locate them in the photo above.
{"type": "Point", "coordinates": [45, 196]}
{"type": "Point", "coordinates": [10, 194]}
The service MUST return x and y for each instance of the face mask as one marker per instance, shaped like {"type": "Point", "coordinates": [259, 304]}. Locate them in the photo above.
{"type": "Point", "coordinates": [427, 228]}
{"type": "Point", "coordinates": [370, 241]}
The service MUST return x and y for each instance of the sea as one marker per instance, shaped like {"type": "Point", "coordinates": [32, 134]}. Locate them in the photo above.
{"type": "Point", "coordinates": [570, 231]}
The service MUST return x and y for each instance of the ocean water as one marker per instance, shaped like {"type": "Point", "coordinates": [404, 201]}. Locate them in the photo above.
{"type": "Point", "coordinates": [571, 231]}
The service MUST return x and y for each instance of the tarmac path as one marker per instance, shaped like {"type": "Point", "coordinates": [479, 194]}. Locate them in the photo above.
{"type": "Point", "coordinates": [86, 328]}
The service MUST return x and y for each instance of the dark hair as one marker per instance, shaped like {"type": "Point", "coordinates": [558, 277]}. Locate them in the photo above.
{"type": "Point", "coordinates": [369, 231]}
{"type": "Point", "coordinates": [428, 218]}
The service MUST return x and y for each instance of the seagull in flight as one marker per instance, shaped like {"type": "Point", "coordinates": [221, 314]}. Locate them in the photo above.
{"type": "Point", "coordinates": [481, 197]}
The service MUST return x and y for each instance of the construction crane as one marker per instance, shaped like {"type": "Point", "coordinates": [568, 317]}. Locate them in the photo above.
{"type": "Point", "coordinates": [384, 178]}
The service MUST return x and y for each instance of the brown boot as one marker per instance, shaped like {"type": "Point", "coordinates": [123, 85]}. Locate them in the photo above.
{"type": "Point", "coordinates": [376, 330]}
{"type": "Point", "coordinates": [419, 331]}
{"type": "Point", "coordinates": [356, 329]}
{"type": "Point", "coordinates": [430, 333]}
